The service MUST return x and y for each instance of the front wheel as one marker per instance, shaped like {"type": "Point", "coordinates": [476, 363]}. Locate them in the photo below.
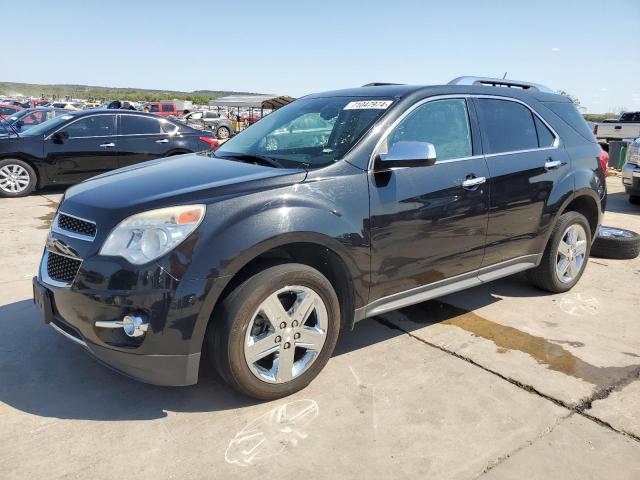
{"type": "Point", "coordinates": [566, 255]}
{"type": "Point", "coordinates": [275, 331]}
{"type": "Point", "coordinates": [17, 178]}
{"type": "Point", "coordinates": [634, 199]}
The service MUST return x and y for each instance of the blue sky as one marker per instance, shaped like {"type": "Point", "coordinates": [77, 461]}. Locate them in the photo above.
{"type": "Point", "coordinates": [588, 48]}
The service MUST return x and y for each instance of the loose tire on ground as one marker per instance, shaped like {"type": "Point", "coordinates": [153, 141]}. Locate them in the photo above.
{"type": "Point", "coordinates": [17, 178]}
{"type": "Point", "coordinates": [616, 243]}
{"type": "Point", "coordinates": [545, 275]}
{"type": "Point", "coordinates": [231, 339]}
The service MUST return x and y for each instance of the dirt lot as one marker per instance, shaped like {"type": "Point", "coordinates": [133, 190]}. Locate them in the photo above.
{"type": "Point", "coordinates": [501, 381]}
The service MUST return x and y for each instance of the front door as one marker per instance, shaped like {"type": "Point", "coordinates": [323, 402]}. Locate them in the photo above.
{"type": "Point", "coordinates": [429, 223]}
{"type": "Point", "coordinates": [524, 164]}
{"type": "Point", "coordinates": [83, 148]}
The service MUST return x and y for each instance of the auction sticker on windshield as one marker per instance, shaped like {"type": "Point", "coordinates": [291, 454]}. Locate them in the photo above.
{"type": "Point", "coordinates": [368, 104]}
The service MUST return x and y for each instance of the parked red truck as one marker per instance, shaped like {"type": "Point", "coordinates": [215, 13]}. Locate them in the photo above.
{"type": "Point", "coordinates": [170, 107]}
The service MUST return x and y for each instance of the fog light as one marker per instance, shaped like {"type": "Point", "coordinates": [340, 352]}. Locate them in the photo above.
{"type": "Point", "coordinates": [134, 326]}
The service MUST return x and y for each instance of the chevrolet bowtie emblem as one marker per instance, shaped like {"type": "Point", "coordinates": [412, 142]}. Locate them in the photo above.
{"type": "Point", "coordinates": [58, 246]}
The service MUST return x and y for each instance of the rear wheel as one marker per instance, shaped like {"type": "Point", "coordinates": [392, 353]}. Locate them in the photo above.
{"type": "Point", "coordinates": [566, 255]}
{"type": "Point", "coordinates": [275, 331]}
{"type": "Point", "coordinates": [17, 178]}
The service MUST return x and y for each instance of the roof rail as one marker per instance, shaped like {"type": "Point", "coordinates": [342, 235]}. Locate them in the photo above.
{"type": "Point", "coordinates": [380, 84]}
{"type": "Point", "coordinates": [500, 82]}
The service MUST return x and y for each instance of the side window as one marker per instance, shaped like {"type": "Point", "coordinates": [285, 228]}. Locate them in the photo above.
{"type": "Point", "coordinates": [138, 125]}
{"type": "Point", "coordinates": [154, 108]}
{"type": "Point", "coordinates": [168, 127]}
{"type": "Point", "coordinates": [545, 137]}
{"type": "Point", "coordinates": [444, 123]}
{"type": "Point", "coordinates": [96, 126]}
{"type": "Point", "coordinates": [167, 107]}
{"type": "Point", "coordinates": [6, 111]}
{"type": "Point", "coordinates": [508, 126]}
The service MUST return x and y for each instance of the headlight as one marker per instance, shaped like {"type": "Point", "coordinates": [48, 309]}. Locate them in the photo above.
{"type": "Point", "coordinates": [146, 236]}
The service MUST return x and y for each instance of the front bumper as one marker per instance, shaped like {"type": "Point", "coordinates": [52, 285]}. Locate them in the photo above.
{"type": "Point", "coordinates": [631, 178]}
{"type": "Point", "coordinates": [162, 369]}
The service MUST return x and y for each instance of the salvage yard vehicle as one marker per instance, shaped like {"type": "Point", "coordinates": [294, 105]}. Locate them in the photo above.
{"type": "Point", "coordinates": [627, 126]}
{"type": "Point", "coordinates": [73, 147]}
{"type": "Point", "coordinates": [29, 117]}
{"type": "Point", "coordinates": [6, 110]}
{"type": "Point", "coordinates": [261, 256]}
{"type": "Point", "coordinates": [169, 108]}
{"type": "Point", "coordinates": [206, 119]}
{"type": "Point", "coordinates": [631, 172]}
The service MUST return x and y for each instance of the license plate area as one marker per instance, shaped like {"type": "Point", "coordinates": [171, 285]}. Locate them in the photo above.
{"type": "Point", "coordinates": [42, 300]}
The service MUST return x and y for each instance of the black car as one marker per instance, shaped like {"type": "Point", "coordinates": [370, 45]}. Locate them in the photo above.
{"type": "Point", "coordinates": [77, 145]}
{"type": "Point", "coordinates": [262, 254]}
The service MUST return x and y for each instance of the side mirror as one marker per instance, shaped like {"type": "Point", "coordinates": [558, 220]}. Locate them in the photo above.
{"type": "Point", "coordinates": [407, 154]}
{"type": "Point", "coordinates": [60, 137]}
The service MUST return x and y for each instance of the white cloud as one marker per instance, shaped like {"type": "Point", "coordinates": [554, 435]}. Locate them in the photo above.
{"type": "Point", "coordinates": [555, 49]}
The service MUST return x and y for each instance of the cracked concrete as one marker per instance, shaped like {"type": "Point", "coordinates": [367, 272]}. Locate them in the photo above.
{"type": "Point", "coordinates": [501, 381]}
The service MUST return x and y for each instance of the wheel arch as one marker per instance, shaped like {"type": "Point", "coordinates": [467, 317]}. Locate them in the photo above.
{"type": "Point", "coordinates": [585, 203]}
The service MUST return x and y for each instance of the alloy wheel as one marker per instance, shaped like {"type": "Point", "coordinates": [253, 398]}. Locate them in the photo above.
{"type": "Point", "coordinates": [14, 178]}
{"type": "Point", "coordinates": [286, 334]}
{"type": "Point", "coordinates": [572, 251]}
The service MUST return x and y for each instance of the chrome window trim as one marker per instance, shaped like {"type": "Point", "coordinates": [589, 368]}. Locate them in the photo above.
{"type": "Point", "coordinates": [82, 118]}
{"type": "Point", "coordinates": [58, 229]}
{"type": "Point", "coordinates": [389, 129]}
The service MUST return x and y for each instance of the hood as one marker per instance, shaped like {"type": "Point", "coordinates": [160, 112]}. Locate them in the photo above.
{"type": "Point", "coordinates": [172, 181]}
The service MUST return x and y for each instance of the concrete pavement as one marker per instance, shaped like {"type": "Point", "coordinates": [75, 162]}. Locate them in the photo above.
{"type": "Point", "coordinates": [501, 381]}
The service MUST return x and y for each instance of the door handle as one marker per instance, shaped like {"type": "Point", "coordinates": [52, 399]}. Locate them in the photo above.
{"type": "Point", "coordinates": [551, 164]}
{"type": "Point", "coordinates": [164, 140]}
{"type": "Point", "coordinates": [471, 183]}
{"type": "Point", "coordinates": [108, 145]}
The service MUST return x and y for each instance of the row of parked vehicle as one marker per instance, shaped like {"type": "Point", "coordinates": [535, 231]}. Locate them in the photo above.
{"type": "Point", "coordinates": [51, 146]}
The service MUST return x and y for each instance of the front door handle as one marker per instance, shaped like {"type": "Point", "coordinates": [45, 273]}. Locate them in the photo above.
{"type": "Point", "coordinates": [471, 183]}
{"type": "Point", "coordinates": [108, 145]}
{"type": "Point", "coordinates": [551, 164]}
{"type": "Point", "coordinates": [164, 140]}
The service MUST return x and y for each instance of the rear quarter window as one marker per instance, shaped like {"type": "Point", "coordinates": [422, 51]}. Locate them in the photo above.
{"type": "Point", "coordinates": [568, 112]}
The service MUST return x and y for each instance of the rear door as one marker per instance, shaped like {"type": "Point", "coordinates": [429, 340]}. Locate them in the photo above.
{"type": "Point", "coordinates": [525, 162]}
{"type": "Point", "coordinates": [90, 148]}
{"type": "Point", "coordinates": [143, 137]}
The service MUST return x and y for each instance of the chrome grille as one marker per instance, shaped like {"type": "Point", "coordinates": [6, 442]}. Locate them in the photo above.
{"type": "Point", "coordinates": [61, 268]}
{"type": "Point", "coordinates": [76, 225]}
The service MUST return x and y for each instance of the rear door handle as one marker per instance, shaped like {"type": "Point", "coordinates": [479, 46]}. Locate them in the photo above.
{"type": "Point", "coordinates": [108, 145]}
{"type": "Point", "coordinates": [473, 182]}
{"type": "Point", "coordinates": [551, 164]}
{"type": "Point", "coordinates": [164, 140]}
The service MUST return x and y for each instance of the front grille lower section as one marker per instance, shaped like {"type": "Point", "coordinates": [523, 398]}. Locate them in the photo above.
{"type": "Point", "coordinates": [76, 225]}
{"type": "Point", "coordinates": [61, 268]}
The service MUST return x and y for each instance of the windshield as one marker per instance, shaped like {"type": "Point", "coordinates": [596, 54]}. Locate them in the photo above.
{"type": "Point", "coordinates": [46, 126]}
{"type": "Point", "coordinates": [308, 133]}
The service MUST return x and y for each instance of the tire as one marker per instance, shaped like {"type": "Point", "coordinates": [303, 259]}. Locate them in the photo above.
{"type": "Point", "coordinates": [223, 132]}
{"type": "Point", "coordinates": [545, 275]}
{"type": "Point", "coordinates": [17, 178]}
{"type": "Point", "coordinates": [616, 243]}
{"type": "Point", "coordinates": [240, 331]}
{"type": "Point", "coordinates": [635, 199]}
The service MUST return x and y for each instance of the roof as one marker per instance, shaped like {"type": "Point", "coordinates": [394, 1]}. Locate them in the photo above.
{"type": "Point", "coordinates": [255, 101]}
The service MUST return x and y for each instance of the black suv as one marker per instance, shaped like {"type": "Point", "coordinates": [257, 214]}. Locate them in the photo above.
{"type": "Point", "coordinates": [259, 254]}
{"type": "Point", "coordinates": [77, 145]}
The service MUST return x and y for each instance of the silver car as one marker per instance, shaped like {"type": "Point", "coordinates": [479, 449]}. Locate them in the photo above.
{"type": "Point", "coordinates": [209, 120]}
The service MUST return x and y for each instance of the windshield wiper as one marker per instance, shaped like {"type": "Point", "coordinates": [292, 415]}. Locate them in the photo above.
{"type": "Point", "coordinates": [270, 162]}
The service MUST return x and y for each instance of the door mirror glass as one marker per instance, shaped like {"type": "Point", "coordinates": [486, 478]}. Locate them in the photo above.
{"type": "Point", "coordinates": [408, 154]}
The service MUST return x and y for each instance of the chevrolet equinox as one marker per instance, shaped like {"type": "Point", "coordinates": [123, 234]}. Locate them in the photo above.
{"type": "Point", "coordinates": [369, 200]}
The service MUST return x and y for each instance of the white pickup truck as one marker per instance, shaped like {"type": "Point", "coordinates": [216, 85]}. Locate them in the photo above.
{"type": "Point", "coordinates": [627, 126]}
